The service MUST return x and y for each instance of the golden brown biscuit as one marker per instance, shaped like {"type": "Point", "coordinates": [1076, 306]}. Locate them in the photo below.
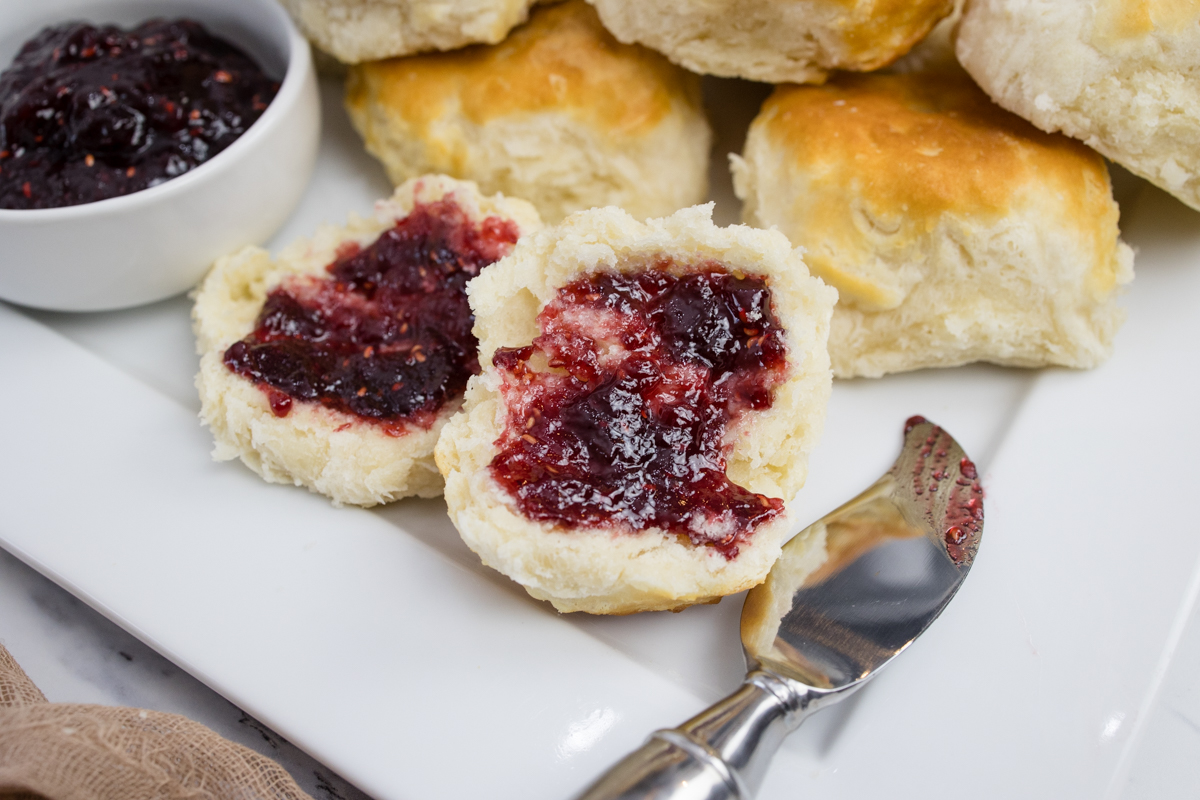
{"type": "Point", "coordinates": [1123, 76]}
{"type": "Point", "coordinates": [347, 457]}
{"type": "Point", "coordinates": [776, 41]}
{"type": "Point", "coordinates": [560, 113]}
{"type": "Point", "coordinates": [952, 230]}
{"type": "Point", "coordinates": [364, 30]}
{"type": "Point", "coordinates": [623, 563]}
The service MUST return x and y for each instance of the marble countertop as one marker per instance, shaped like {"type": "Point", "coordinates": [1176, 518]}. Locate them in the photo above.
{"type": "Point", "coordinates": [75, 655]}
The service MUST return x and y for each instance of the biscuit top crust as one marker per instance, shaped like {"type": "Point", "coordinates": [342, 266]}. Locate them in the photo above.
{"type": "Point", "coordinates": [561, 60]}
{"type": "Point", "coordinates": [1118, 21]}
{"type": "Point", "coordinates": [875, 32]}
{"type": "Point", "coordinates": [886, 156]}
{"type": "Point", "coordinates": [618, 411]}
{"type": "Point", "coordinates": [386, 337]}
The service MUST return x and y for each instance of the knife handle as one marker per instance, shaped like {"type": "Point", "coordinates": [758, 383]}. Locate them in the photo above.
{"type": "Point", "coordinates": [722, 753]}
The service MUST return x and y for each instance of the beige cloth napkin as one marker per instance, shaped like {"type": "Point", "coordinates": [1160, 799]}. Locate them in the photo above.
{"type": "Point", "coordinates": [72, 751]}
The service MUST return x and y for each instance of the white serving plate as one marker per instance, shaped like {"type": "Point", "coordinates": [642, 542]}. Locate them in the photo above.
{"type": "Point", "coordinates": [378, 643]}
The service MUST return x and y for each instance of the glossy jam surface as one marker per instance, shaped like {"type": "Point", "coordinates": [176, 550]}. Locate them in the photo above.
{"type": "Point", "coordinates": [964, 515]}
{"type": "Point", "coordinates": [933, 469]}
{"type": "Point", "coordinates": [618, 411]}
{"type": "Point", "coordinates": [91, 113]}
{"type": "Point", "coordinates": [387, 336]}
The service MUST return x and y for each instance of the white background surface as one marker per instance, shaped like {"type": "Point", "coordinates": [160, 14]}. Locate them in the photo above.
{"type": "Point", "coordinates": [1066, 667]}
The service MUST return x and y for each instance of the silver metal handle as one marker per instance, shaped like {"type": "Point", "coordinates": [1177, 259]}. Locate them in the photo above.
{"type": "Point", "coordinates": [720, 754]}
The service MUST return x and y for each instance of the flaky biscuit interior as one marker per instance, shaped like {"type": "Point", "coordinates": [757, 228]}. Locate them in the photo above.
{"type": "Point", "coordinates": [608, 571]}
{"type": "Point", "coordinates": [331, 452]}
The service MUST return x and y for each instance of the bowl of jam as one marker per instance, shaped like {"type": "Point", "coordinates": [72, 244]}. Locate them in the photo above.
{"type": "Point", "coordinates": [142, 139]}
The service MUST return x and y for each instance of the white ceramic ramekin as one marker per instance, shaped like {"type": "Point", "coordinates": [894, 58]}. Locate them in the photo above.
{"type": "Point", "coordinates": [158, 242]}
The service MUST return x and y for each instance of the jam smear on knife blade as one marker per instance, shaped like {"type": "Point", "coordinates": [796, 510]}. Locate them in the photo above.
{"type": "Point", "coordinates": [963, 517]}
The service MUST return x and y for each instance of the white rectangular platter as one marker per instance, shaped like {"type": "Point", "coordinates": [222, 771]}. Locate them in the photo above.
{"type": "Point", "coordinates": [377, 642]}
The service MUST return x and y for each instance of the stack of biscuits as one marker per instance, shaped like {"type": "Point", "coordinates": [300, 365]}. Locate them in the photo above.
{"type": "Point", "coordinates": [938, 163]}
{"type": "Point", "coordinates": [558, 113]}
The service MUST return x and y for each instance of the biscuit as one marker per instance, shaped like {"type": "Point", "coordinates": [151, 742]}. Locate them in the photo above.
{"type": "Point", "coordinates": [560, 114]}
{"type": "Point", "coordinates": [936, 50]}
{"type": "Point", "coordinates": [323, 445]}
{"type": "Point", "coordinates": [776, 41]}
{"type": "Point", "coordinates": [1122, 76]}
{"type": "Point", "coordinates": [952, 230]}
{"type": "Point", "coordinates": [620, 561]}
{"type": "Point", "coordinates": [364, 30]}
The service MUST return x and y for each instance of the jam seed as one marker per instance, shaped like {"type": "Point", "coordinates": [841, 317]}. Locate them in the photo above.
{"type": "Point", "coordinates": [89, 159]}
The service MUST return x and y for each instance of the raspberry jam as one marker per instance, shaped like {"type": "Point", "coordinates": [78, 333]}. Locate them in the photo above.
{"type": "Point", "coordinates": [91, 113]}
{"type": "Point", "coordinates": [618, 411]}
{"type": "Point", "coordinates": [964, 514]}
{"type": "Point", "coordinates": [387, 336]}
{"type": "Point", "coordinates": [932, 471]}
